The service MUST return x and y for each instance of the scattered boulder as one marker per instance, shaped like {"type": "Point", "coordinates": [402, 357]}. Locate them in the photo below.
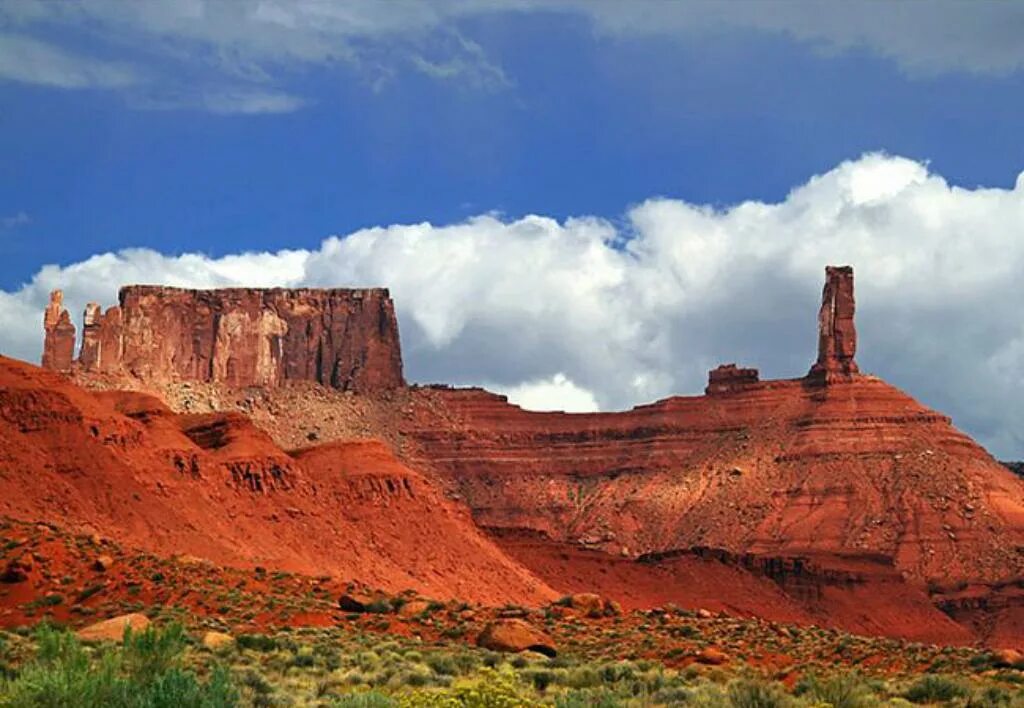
{"type": "Point", "coordinates": [113, 629]}
{"type": "Point", "coordinates": [17, 570]}
{"type": "Point", "coordinates": [587, 603]}
{"type": "Point", "coordinates": [217, 640]}
{"type": "Point", "coordinates": [561, 611]}
{"type": "Point", "coordinates": [103, 563]}
{"type": "Point", "coordinates": [1007, 657]}
{"type": "Point", "coordinates": [188, 559]}
{"type": "Point", "coordinates": [515, 635]}
{"type": "Point", "coordinates": [413, 608]}
{"type": "Point", "coordinates": [354, 602]}
{"type": "Point", "coordinates": [513, 612]}
{"type": "Point", "coordinates": [712, 656]}
{"type": "Point", "coordinates": [362, 602]}
{"type": "Point", "coordinates": [593, 605]}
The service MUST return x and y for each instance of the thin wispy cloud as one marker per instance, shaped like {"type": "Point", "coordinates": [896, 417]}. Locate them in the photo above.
{"type": "Point", "coordinates": [15, 220]}
{"type": "Point", "coordinates": [27, 60]}
{"type": "Point", "coordinates": [255, 45]}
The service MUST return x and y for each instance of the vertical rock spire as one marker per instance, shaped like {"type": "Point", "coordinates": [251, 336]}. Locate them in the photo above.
{"type": "Point", "coordinates": [59, 339]}
{"type": "Point", "coordinates": [837, 335]}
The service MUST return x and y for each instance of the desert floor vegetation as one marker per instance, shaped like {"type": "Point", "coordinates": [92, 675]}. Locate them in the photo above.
{"type": "Point", "coordinates": [165, 665]}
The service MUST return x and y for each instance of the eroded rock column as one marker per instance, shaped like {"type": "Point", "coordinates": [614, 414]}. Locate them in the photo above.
{"type": "Point", "coordinates": [59, 338]}
{"type": "Point", "coordinates": [837, 335]}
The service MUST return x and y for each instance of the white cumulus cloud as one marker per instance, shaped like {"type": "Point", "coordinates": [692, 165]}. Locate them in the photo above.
{"type": "Point", "coordinates": [556, 393]}
{"type": "Point", "coordinates": [582, 309]}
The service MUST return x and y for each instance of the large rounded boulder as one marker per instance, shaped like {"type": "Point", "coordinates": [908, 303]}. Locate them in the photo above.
{"type": "Point", "coordinates": [515, 635]}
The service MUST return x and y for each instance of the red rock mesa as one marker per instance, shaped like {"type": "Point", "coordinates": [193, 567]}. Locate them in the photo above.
{"type": "Point", "coordinates": [346, 339]}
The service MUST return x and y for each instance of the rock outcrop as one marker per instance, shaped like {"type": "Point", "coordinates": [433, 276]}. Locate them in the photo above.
{"type": "Point", "coordinates": [779, 468]}
{"type": "Point", "coordinates": [837, 335]}
{"type": "Point", "coordinates": [346, 339]}
{"type": "Point", "coordinates": [59, 339]}
{"type": "Point", "coordinates": [515, 635]}
{"type": "Point", "coordinates": [113, 629]}
{"type": "Point", "coordinates": [101, 340]}
{"type": "Point", "coordinates": [728, 378]}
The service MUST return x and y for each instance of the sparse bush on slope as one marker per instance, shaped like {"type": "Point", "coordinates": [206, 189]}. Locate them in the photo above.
{"type": "Point", "coordinates": [145, 672]}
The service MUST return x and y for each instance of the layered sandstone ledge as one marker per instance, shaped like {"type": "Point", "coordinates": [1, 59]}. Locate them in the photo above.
{"type": "Point", "coordinates": [342, 338]}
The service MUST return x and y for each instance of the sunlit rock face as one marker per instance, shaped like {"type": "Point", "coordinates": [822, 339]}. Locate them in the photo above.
{"type": "Point", "coordinates": [837, 335]}
{"type": "Point", "coordinates": [343, 338]}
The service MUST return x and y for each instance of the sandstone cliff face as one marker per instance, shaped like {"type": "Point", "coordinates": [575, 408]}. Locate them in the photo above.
{"type": "Point", "coordinates": [346, 339]}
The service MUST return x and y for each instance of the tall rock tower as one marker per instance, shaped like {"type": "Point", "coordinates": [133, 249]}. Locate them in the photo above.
{"type": "Point", "coordinates": [59, 337]}
{"type": "Point", "coordinates": [837, 334]}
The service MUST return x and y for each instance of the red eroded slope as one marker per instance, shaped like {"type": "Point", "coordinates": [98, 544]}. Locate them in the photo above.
{"type": "Point", "coordinates": [868, 597]}
{"type": "Point", "coordinates": [214, 486]}
{"type": "Point", "coordinates": [777, 468]}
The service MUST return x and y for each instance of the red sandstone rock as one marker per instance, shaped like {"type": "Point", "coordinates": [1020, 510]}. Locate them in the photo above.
{"type": "Point", "coordinates": [837, 335]}
{"type": "Point", "coordinates": [217, 489]}
{"type": "Point", "coordinates": [860, 477]}
{"type": "Point", "coordinates": [357, 602]}
{"type": "Point", "coordinates": [712, 656]}
{"type": "Point", "coordinates": [515, 635]}
{"type": "Point", "coordinates": [59, 339]}
{"type": "Point", "coordinates": [112, 630]}
{"type": "Point", "coordinates": [101, 340]}
{"type": "Point", "coordinates": [777, 468]}
{"type": "Point", "coordinates": [728, 377]}
{"type": "Point", "coordinates": [17, 570]}
{"type": "Point", "coordinates": [346, 339]}
{"type": "Point", "coordinates": [588, 603]}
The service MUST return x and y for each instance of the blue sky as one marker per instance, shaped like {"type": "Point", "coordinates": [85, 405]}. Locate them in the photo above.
{"type": "Point", "coordinates": [202, 130]}
{"type": "Point", "coordinates": [584, 122]}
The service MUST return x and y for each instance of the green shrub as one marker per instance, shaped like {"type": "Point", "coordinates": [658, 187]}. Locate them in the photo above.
{"type": "Point", "coordinates": [934, 689]}
{"type": "Point", "coordinates": [152, 652]}
{"type": "Point", "coordinates": [847, 690]}
{"type": "Point", "coordinates": [989, 697]}
{"type": "Point", "coordinates": [749, 693]}
{"type": "Point", "coordinates": [540, 678]}
{"type": "Point", "coordinates": [371, 699]}
{"type": "Point", "coordinates": [143, 673]}
{"type": "Point", "coordinates": [587, 698]}
{"type": "Point", "coordinates": [257, 642]}
{"type": "Point", "coordinates": [443, 664]}
{"type": "Point", "coordinates": [380, 606]}
{"type": "Point", "coordinates": [489, 689]}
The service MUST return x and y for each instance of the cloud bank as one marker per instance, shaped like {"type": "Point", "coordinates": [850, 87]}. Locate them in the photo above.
{"type": "Point", "coordinates": [586, 313]}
